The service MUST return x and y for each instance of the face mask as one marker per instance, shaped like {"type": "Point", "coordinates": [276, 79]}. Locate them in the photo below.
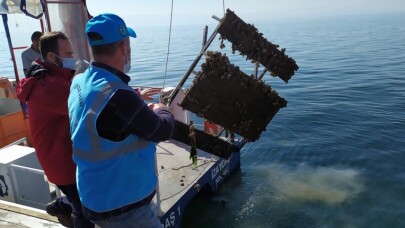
{"type": "Point", "coordinates": [127, 67]}
{"type": "Point", "coordinates": [69, 63]}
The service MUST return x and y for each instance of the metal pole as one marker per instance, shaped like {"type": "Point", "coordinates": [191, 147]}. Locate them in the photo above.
{"type": "Point", "coordinates": [48, 21]}
{"type": "Point", "coordinates": [262, 74]}
{"type": "Point", "coordinates": [41, 21]}
{"type": "Point", "coordinates": [84, 20]}
{"type": "Point", "coordinates": [190, 70]}
{"type": "Point", "coordinates": [10, 46]}
{"type": "Point", "coordinates": [157, 187]}
{"type": "Point", "coordinates": [205, 36]}
{"type": "Point", "coordinates": [256, 70]}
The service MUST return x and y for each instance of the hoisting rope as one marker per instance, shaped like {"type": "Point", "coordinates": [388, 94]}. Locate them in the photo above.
{"type": "Point", "coordinates": [193, 145]}
{"type": "Point", "coordinates": [168, 44]}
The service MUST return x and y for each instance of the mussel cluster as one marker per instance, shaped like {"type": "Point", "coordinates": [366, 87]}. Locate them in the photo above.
{"type": "Point", "coordinates": [206, 142]}
{"type": "Point", "coordinates": [223, 94]}
{"type": "Point", "coordinates": [250, 43]}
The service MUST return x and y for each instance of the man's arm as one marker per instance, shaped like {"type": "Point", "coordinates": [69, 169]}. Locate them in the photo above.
{"type": "Point", "coordinates": [55, 95]}
{"type": "Point", "coordinates": [25, 61]}
{"type": "Point", "coordinates": [126, 113]}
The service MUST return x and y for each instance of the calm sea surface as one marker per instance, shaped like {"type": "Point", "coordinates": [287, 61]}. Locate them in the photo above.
{"type": "Point", "coordinates": [335, 157]}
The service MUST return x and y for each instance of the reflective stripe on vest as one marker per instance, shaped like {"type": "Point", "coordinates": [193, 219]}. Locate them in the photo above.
{"type": "Point", "coordinates": [94, 139]}
{"type": "Point", "coordinates": [110, 174]}
{"type": "Point", "coordinates": [91, 115]}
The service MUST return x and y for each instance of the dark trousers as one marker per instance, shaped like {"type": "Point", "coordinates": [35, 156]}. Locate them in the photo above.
{"type": "Point", "coordinates": [73, 196]}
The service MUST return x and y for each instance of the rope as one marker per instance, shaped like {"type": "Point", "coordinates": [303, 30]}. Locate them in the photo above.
{"type": "Point", "coordinates": [223, 5]}
{"type": "Point", "coordinates": [199, 175]}
{"type": "Point", "coordinates": [168, 44]}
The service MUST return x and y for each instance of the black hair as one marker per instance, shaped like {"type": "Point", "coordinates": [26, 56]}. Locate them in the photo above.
{"type": "Point", "coordinates": [36, 35]}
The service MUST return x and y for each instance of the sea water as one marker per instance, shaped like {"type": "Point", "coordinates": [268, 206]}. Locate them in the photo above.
{"type": "Point", "coordinates": [335, 157]}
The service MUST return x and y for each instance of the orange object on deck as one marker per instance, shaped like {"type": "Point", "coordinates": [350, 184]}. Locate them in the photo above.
{"type": "Point", "coordinates": [13, 124]}
{"type": "Point", "coordinates": [13, 127]}
{"type": "Point", "coordinates": [6, 89]}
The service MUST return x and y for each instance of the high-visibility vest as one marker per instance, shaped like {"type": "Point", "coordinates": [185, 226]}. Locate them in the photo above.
{"type": "Point", "coordinates": [109, 174]}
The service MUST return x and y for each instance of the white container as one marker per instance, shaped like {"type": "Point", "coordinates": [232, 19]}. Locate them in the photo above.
{"type": "Point", "coordinates": [178, 112]}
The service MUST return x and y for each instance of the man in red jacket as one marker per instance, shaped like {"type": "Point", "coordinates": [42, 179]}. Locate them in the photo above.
{"type": "Point", "coordinates": [46, 91]}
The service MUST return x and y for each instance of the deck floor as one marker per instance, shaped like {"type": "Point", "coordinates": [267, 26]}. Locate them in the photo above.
{"type": "Point", "coordinates": [176, 174]}
{"type": "Point", "coordinates": [176, 177]}
{"type": "Point", "coordinates": [19, 216]}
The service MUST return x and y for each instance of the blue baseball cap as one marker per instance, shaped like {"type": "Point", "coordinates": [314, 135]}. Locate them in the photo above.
{"type": "Point", "coordinates": [109, 28]}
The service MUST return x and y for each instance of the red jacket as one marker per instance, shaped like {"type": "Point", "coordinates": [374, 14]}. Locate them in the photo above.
{"type": "Point", "coordinates": [46, 91]}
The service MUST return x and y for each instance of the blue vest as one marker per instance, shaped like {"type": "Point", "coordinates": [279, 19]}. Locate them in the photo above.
{"type": "Point", "coordinates": [109, 174]}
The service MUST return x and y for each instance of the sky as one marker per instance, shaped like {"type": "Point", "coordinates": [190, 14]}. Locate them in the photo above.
{"type": "Point", "coordinates": [142, 13]}
{"type": "Point", "coordinates": [157, 12]}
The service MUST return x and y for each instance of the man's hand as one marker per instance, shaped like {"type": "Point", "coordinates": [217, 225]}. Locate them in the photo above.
{"type": "Point", "coordinates": [147, 94]}
{"type": "Point", "coordinates": [158, 106]}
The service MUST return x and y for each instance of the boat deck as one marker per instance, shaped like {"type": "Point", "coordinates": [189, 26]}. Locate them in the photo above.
{"type": "Point", "coordinates": [179, 182]}
{"type": "Point", "coordinates": [176, 173]}
{"type": "Point", "coordinates": [18, 216]}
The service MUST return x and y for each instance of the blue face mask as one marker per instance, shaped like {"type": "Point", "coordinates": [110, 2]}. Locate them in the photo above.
{"type": "Point", "coordinates": [69, 63]}
{"type": "Point", "coordinates": [127, 67]}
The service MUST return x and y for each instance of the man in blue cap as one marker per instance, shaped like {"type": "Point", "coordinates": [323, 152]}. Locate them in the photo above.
{"type": "Point", "coordinates": [114, 132]}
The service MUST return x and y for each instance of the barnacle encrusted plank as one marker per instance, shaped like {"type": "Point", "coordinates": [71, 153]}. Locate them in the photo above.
{"type": "Point", "coordinates": [250, 43]}
{"type": "Point", "coordinates": [223, 94]}
{"type": "Point", "coordinates": [204, 141]}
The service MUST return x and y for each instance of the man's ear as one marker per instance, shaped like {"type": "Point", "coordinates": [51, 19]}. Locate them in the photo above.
{"type": "Point", "coordinates": [124, 49]}
{"type": "Point", "coordinates": [50, 56]}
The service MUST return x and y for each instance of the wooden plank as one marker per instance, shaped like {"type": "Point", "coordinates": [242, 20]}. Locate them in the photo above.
{"type": "Point", "coordinates": [10, 219]}
{"type": "Point", "coordinates": [28, 211]}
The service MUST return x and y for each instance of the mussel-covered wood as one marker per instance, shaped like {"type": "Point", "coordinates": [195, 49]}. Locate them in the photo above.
{"type": "Point", "coordinates": [204, 141]}
{"type": "Point", "coordinates": [250, 43]}
{"type": "Point", "coordinates": [223, 94]}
